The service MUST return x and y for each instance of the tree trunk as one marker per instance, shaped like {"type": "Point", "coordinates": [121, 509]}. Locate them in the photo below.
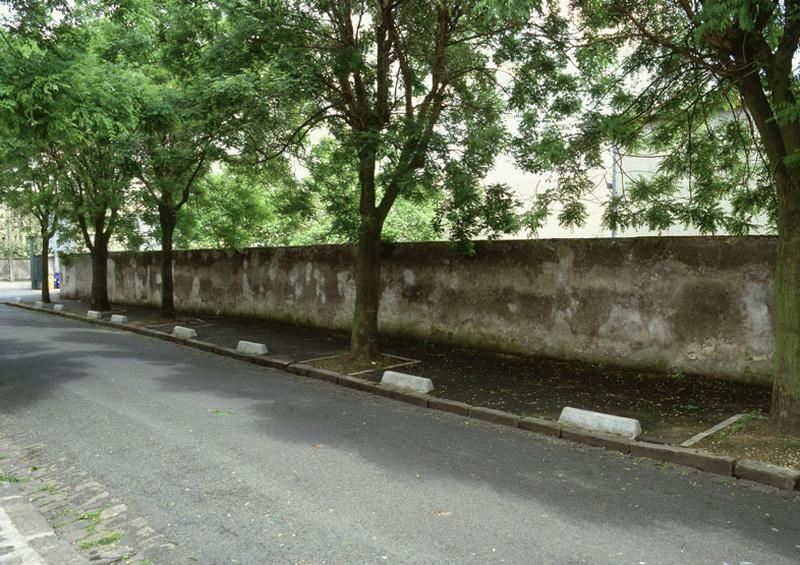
{"type": "Point", "coordinates": [100, 275]}
{"type": "Point", "coordinates": [167, 219]}
{"type": "Point", "coordinates": [364, 340]}
{"type": "Point", "coordinates": [785, 414]}
{"type": "Point", "coordinates": [45, 268]}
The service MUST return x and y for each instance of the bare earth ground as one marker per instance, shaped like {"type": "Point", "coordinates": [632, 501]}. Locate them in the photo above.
{"type": "Point", "coordinates": [672, 407]}
{"type": "Point", "coordinates": [752, 440]}
{"type": "Point", "coordinates": [341, 364]}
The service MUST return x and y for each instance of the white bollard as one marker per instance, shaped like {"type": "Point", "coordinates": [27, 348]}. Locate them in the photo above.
{"type": "Point", "coordinates": [58, 307]}
{"type": "Point", "coordinates": [402, 380]}
{"type": "Point", "coordinates": [94, 314]}
{"type": "Point", "coordinates": [183, 333]}
{"type": "Point", "coordinates": [599, 422]}
{"type": "Point", "coordinates": [119, 319]}
{"type": "Point", "coordinates": [251, 348]}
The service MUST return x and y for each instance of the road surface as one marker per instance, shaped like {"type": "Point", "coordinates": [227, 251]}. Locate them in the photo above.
{"type": "Point", "coordinates": [240, 464]}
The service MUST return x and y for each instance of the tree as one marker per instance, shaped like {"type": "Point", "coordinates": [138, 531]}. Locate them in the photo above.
{"type": "Point", "coordinates": [172, 155]}
{"type": "Point", "coordinates": [332, 191]}
{"type": "Point", "coordinates": [72, 107]}
{"type": "Point", "coordinates": [181, 121]}
{"type": "Point", "coordinates": [94, 152]}
{"type": "Point", "coordinates": [29, 184]}
{"type": "Point", "coordinates": [413, 91]}
{"type": "Point", "coordinates": [235, 208]}
{"type": "Point", "coordinates": [715, 84]}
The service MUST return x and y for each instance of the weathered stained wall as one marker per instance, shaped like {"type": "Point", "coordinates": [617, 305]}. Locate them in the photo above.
{"type": "Point", "coordinates": [701, 304]}
{"type": "Point", "coordinates": [21, 269]}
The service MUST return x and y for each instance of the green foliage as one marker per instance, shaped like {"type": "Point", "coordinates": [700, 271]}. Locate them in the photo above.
{"type": "Point", "coordinates": [415, 97]}
{"type": "Point", "coordinates": [648, 79]}
{"type": "Point", "coordinates": [237, 209]}
{"type": "Point", "coordinates": [332, 191]}
{"type": "Point", "coordinates": [67, 115]}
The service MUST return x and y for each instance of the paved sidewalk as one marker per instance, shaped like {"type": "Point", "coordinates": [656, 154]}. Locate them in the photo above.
{"type": "Point", "coordinates": [25, 536]}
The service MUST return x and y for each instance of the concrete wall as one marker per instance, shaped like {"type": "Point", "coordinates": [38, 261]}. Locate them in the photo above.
{"type": "Point", "coordinates": [701, 304]}
{"type": "Point", "coordinates": [21, 269]}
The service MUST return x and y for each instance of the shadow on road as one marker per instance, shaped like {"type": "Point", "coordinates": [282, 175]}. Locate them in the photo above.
{"type": "Point", "coordinates": [589, 485]}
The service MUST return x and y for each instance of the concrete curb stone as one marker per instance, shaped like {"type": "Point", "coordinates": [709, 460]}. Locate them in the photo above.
{"type": "Point", "coordinates": [300, 369]}
{"type": "Point", "coordinates": [540, 426]}
{"type": "Point", "coordinates": [353, 382]}
{"type": "Point", "coordinates": [719, 464]}
{"type": "Point", "coordinates": [494, 416]}
{"type": "Point", "coordinates": [606, 441]}
{"type": "Point", "coordinates": [383, 391]}
{"type": "Point", "coordinates": [375, 388]}
{"type": "Point", "coordinates": [780, 477]}
{"type": "Point", "coordinates": [446, 405]}
{"type": "Point", "coordinates": [322, 374]}
{"type": "Point", "coordinates": [415, 398]}
{"type": "Point", "coordinates": [36, 533]}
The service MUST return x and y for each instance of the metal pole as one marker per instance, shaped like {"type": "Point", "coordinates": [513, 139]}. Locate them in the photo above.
{"type": "Point", "coordinates": [32, 255]}
{"type": "Point", "coordinates": [614, 157]}
{"type": "Point", "coordinates": [10, 247]}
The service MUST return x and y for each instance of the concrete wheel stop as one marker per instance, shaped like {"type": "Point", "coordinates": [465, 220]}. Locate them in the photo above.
{"type": "Point", "coordinates": [407, 382]}
{"type": "Point", "coordinates": [251, 348]}
{"type": "Point", "coordinates": [600, 422]}
{"type": "Point", "coordinates": [182, 332]}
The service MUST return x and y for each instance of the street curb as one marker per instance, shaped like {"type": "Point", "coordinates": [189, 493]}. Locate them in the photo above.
{"type": "Point", "coordinates": [606, 441]}
{"type": "Point", "coordinates": [717, 464]}
{"type": "Point", "coordinates": [778, 477]}
{"type": "Point", "coordinates": [540, 426]}
{"type": "Point", "coordinates": [36, 532]}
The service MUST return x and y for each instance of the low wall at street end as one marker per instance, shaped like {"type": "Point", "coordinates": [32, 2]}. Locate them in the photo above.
{"type": "Point", "coordinates": [20, 270]}
{"type": "Point", "coordinates": [703, 305]}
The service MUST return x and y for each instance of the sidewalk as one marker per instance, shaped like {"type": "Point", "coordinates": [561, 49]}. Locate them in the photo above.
{"type": "Point", "coordinates": [671, 407]}
{"type": "Point", "coordinates": [26, 538]}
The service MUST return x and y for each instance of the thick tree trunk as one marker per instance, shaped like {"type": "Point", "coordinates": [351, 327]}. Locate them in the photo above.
{"type": "Point", "coordinates": [45, 268]}
{"type": "Point", "coordinates": [167, 219]}
{"type": "Point", "coordinates": [100, 275]}
{"type": "Point", "coordinates": [785, 415]}
{"type": "Point", "coordinates": [364, 339]}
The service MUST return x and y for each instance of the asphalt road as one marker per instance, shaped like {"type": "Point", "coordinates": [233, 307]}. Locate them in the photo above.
{"type": "Point", "coordinates": [11, 290]}
{"type": "Point", "coordinates": [237, 463]}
